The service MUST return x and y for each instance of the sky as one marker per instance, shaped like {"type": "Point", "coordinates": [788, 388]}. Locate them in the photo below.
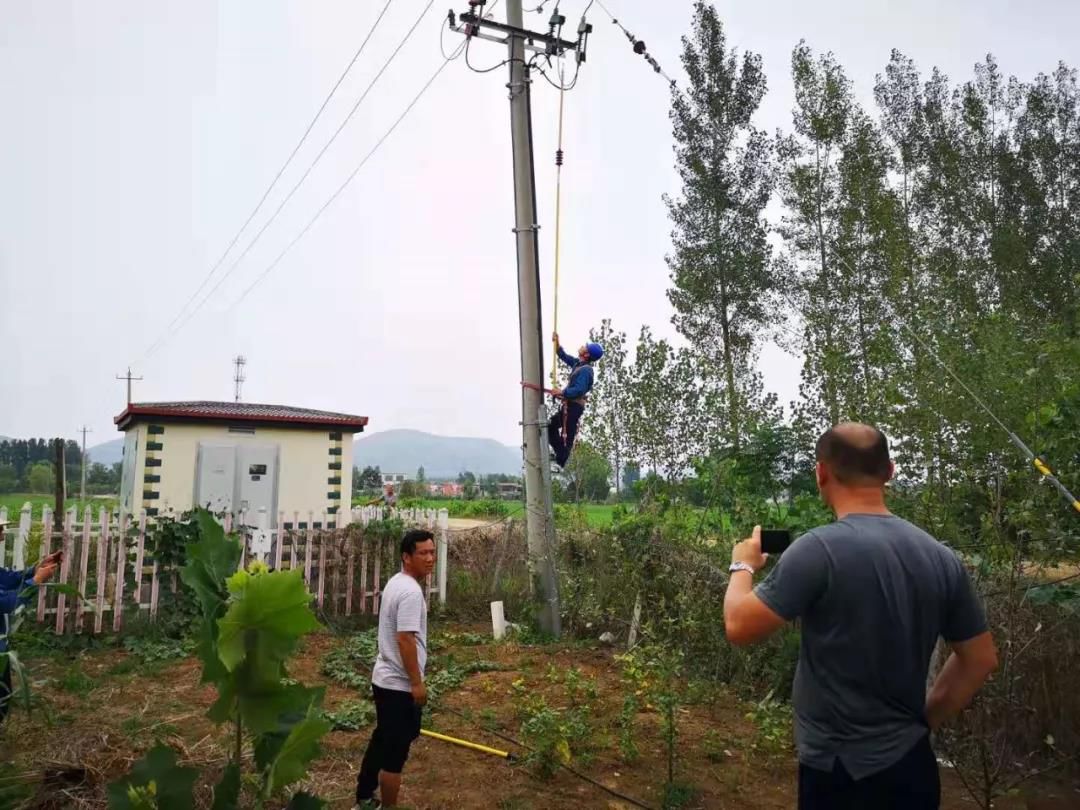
{"type": "Point", "coordinates": [138, 137]}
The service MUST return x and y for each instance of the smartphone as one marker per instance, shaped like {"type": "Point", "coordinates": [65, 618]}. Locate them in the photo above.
{"type": "Point", "coordinates": [775, 541]}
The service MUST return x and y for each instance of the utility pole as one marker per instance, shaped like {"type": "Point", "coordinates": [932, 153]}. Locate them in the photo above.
{"type": "Point", "coordinates": [540, 521]}
{"type": "Point", "coordinates": [82, 489]}
{"type": "Point", "coordinates": [129, 379]}
{"type": "Point", "coordinates": [58, 502]}
{"type": "Point", "coordinates": [238, 377]}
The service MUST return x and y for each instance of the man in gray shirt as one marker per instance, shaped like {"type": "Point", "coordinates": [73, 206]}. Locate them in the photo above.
{"type": "Point", "coordinates": [874, 594]}
{"type": "Point", "coordinates": [397, 679]}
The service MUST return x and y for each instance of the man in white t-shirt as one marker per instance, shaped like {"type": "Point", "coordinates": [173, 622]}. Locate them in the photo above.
{"type": "Point", "coordinates": [397, 679]}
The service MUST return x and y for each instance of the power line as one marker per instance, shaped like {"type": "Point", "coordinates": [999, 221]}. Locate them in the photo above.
{"type": "Point", "coordinates": [637, 44]}
{"type": "Point", "coordinates": [297, 185]}
{"type": "Point", "coordinates": [280, 171]}
{"type": "Point", "coordinates": [348, 180]}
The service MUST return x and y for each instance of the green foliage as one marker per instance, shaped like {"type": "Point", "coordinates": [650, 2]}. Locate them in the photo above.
{"type": "Point", "coordinates": [773, 721]}
{"type": "Point", "coordinates": [250, 624]}
{"type": "Point", "coordinates": [75, 681]}
{"type": "Point", "coordinates": [156, 782]}
{"type": "Point", "coordinates": [41, 478]}
{"type": "Point", "coordinates": [350, 663]}
{"type": "Point", "coordinates": [627, 727]}
{"type": "Point", "coordinates": [554, 735]}
{"type": "Point", "coordinates": [352, 715]}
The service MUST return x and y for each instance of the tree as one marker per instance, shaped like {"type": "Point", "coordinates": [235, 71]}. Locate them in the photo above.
{"type": "Point", "coordinates": [606, 424]}
{"type": "Point", "coordinates": [369, 479]}
{"type": "Point", "coordinates": [631, 474]}
{"type": "Point", "coordinates": [589, 473]}
{"type": "Point", "coordinates": [420, 475]}
{"type": "Point", "coordinates": [41, 478]}
{"type": "Point", "coordinates": [725, 285]}
{"type": "Point", "coordinates": [8, 478]}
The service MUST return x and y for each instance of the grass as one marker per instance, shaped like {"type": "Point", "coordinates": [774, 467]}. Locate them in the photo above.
{"type": "Point", "coordinates": [14, 502]}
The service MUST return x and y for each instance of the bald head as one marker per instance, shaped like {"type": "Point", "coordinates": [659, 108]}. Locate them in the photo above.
{"type": "Point", "coordinates": [857, 455]}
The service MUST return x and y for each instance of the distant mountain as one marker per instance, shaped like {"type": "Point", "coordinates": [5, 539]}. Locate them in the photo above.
{"type": "Point", "coordinates": [404, 451]}
{"type": "Point", "coordinates": [107, 453]}
{"type": "Point", "coordinates": [398, 451]}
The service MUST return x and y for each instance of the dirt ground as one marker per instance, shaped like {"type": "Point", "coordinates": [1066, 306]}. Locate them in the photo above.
{"type": "Point", "coordinates": [104, 722]}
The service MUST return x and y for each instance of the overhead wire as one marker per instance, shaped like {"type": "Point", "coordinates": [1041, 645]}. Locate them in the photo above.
{"type": "Point", "coordinates": [638, 45]}
{"type": "Point", "coordinates": [266, 225]}
{"type": "Point", "coordinates": [282, 168]}
{"type": "Point", "coordinates": [333, 197]}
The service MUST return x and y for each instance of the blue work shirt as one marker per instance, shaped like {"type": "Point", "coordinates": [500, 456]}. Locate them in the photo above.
{"type": "Point", "coordinates": [12, 584]}
{"type": "Point", "coordinates": [581, 376]}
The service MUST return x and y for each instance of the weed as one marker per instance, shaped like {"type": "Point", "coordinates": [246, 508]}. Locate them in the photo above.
{"type": "Point", "coordinates": [75, 681]}
{"type": "Point", "coordinates": [581, 690]}
{"type": "Point", "coordinates": [553, 735]}
{"type": "Point", "coordinates": [773, 721]}
{"type": "Point", "coordinates": [627, 719]}
{"type": "Point", "coordinates": [350, 664]}
{"type": "Point", "coordinates": [352, 715]}
{"type": "Point", "coordinates": [677, 795]}
{"type": "Point", "coordinates": [714, 746]}
{"type": "Point", "coordinates": [488, 718]}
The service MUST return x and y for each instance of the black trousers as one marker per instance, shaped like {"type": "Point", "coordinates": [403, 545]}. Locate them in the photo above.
{"type": "Point", "coordinates": [562, 430]}
{"type": "Point", "coordinates": [913, 783]}
{"type": "Point", "coordinates": [397, 724]}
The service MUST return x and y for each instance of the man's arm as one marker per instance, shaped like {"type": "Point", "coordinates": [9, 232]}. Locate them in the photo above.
{"type": "Point", "coordinates": [746, 618]}
{"type": "Point", "coordinates": [407, 648]}
{"type": "Point", "coordinates": [796, 582]}
{"type": "Point", "coordinates": [569, 359]}
{"type": "Point", "coordinates": [967, 669]}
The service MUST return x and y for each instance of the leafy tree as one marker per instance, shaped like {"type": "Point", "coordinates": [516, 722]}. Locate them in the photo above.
{"type": "Point", "coordinates": [607, 422]}
{"type": "Point", "coordinates": [589, 473]}
{"type": "Point", "coordinates": [41, 478]}
{"type": "Point", "coordinates": [370, 478]}
{"type": "Point", "coordinates": [725, 286]}
{"type": "Point", "coordinates": [9, 480]}
{"type": "Point", "coordinates": [420, 478]}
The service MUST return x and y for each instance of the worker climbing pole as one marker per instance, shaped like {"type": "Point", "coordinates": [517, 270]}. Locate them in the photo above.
{"type": "Point", "coordinates": [540, 523]}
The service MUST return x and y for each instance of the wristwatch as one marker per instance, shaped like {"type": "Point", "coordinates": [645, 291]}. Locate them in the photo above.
{"type": "Point", "coordinates": [741, 566]}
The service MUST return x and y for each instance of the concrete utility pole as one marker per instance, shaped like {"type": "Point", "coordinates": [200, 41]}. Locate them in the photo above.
{"type": "Point", "coordinates": [129, 379]}
{"type": "Point", "coordinates": [61, 485]}
{"type": "Point", "coordinates": [82, 489]}
{"type": "Point", "coordinates": [540, 522]}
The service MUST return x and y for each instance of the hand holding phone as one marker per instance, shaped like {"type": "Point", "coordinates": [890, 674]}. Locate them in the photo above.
{"type": "Point", "coordinates": [775, 541]}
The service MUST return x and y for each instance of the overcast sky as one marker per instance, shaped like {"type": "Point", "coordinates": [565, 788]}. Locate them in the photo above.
{"type": "Point", "coordinates": [137, 136]}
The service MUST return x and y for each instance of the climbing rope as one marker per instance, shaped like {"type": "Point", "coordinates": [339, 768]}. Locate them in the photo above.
{"type": "Point", "coordinates": [558, 225]}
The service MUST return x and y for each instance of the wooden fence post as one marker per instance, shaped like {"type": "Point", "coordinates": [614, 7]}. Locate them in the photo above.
{"type": "Point", "coordinates": [280, 540]}
{"type": "Point", "coordinates": [18, 551]}
{"type": "Point", "coordinates": [140, 550]}
{"type": "Point", "coordinates": [3, 536]}
{"type": "Point", "coordinates": [84, 561]}
{"type": "Point", "coordinates": [65, 567]}
{"type": "Point", "coordinates": [102, 568]}
{"type": "Point", "coordinates": [121, 563]}
{"type": "Point", "coordinates": [309, 540]}
{"type": "Point", "coordinates": [46, 549]}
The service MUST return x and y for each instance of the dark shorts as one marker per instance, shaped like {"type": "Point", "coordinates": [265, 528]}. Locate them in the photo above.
{"type": "Point", "coordinates": [397, 722]}
{"type": "Point", "coordinates": [913, 783]}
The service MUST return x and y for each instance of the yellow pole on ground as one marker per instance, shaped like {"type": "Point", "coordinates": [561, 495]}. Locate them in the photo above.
{"type": "Point", "coordinates": [466, 744]}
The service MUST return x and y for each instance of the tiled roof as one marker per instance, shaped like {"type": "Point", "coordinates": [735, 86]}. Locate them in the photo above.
{"type": "Point", "coordinates": [240, 412]}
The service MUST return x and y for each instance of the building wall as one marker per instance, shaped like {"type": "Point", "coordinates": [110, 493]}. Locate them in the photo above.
{"type": "Point", "coordinates": [314, 466]}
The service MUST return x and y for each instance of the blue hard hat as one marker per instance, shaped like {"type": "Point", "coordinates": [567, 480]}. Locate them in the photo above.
{"type": "Point", "coordinates": [596, 351]}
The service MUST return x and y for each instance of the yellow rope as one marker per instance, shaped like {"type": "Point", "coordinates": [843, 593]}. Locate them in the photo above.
{"type": "Point", "coordinates": [465, 743]}
{"type": "Point", "coordinates": [558, 223]}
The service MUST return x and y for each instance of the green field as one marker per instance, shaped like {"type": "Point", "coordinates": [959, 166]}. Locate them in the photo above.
{"type": "Point", "coordinates": [597, 514]}
{"type": "Point", "coordinates": [14, 502]}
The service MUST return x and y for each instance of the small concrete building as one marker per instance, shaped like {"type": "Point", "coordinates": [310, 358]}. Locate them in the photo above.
{"type": "Point", "coordinates": [236, 456]}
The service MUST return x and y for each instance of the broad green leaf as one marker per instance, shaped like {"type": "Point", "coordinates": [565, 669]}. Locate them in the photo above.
{"type": "Point", "coordinates": [210, 562]}
{"type": "Point", "coordinates": [156, 777]}
{"type": "Point", "coordinates": [227, 791]}
{"type": "Point", "coordinates": [277, 707]}
{"type": "Point", "coordinates": [300, 748]}
{"type": "Point", "coordinates": [265, 620]}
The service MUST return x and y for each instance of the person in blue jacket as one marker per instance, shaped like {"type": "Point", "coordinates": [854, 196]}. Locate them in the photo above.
{"type": "Point", "coordinates": [562, 429]}
{"type": "Point", "coordinates": [16, 588]}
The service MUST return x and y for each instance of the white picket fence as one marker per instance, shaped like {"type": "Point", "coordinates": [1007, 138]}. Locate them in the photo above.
{"type": "Point", "coordinates": [107, 560]}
